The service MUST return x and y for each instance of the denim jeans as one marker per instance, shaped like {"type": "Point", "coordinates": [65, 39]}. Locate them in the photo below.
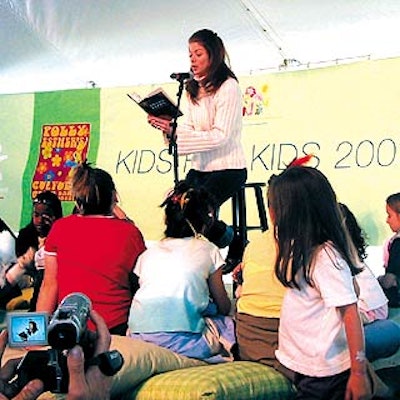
{"type": "Point", "coordinates": [382, 339]}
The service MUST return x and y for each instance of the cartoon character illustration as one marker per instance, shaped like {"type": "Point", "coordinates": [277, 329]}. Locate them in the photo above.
{"type": "Point", "coordinates": [252, 102]}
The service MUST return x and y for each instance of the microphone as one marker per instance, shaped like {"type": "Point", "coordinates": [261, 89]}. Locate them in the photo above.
{"type": "Point", "coordinates": [181, 76]}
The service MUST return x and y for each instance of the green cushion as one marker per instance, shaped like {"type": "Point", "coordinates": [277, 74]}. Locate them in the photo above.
{"type": "Point", "coordinates": [239, 380]}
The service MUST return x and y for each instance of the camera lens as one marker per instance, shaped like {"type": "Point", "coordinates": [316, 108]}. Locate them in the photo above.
{"type": "Point", "coordinates": [69, 321]}
{"type": "Point", "coordinates": [63, 336]}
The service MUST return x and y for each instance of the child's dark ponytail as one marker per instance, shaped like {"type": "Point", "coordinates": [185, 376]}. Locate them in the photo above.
{"type": "Point", "coordinates": [188, 211]}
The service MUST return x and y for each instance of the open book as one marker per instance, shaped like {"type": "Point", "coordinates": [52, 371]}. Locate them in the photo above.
{"type": "Point", "coordinates": [156, 103]}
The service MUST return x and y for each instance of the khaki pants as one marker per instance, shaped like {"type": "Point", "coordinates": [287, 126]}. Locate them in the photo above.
{"type": "Point", "coordinates": [257, 339]}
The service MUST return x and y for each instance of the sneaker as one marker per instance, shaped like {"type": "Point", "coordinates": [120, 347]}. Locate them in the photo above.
{"type": "Point", "coordinates": [226, 239]}
{"type": "Point", "coordinates": [230, 265]}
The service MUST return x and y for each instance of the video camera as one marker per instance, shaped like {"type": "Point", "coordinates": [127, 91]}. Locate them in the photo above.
{"type": "Point", "coordinates": [67, 327]}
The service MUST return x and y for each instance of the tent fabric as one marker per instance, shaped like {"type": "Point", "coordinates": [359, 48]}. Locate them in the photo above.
{"type": "Point", "coordinates": [54, 44]}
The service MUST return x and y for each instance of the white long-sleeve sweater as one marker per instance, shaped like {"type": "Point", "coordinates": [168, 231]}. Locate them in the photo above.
{"type": "Point", "coordinates": [212, 132]}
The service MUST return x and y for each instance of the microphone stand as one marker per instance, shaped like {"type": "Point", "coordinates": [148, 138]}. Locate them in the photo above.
{"type": "Point", "coordinates": [173, 147]}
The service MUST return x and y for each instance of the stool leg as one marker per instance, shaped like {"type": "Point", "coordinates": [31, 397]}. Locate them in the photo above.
{"type": "Point", "coordinates": [242, 217]}
{"type": "Point", "coordinates": [262, 214]}
{"type": "Point", "coordinates": [235, 213]}
{"type": "Point", "coordinates": [236, 248]}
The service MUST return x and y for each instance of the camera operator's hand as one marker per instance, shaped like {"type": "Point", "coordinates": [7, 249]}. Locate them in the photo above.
{"type": "Point", "coordinates": [30, 391]}
{"type": "Point", "coordinates": [92, 384]}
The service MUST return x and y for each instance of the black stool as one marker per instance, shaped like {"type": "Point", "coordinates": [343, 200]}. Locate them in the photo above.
{"type": "Point", "coordinates": [239, 212]}
{"type": "Point", "coordinates": [239, 223]}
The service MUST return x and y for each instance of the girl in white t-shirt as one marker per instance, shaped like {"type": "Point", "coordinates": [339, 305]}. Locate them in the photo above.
{"type": "Point", "coordinates": [320, 333]}
{"type": "Point", "coordinates": [182, 303]}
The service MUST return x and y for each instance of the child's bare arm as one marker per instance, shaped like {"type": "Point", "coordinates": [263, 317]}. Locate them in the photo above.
{"type": "Point", "coordinates": [358, 386]}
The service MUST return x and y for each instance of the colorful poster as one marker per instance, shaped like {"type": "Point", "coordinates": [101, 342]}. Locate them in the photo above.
{"type": "Point", "coordinates": [65, 130]}
{"type": "Point", "coordinates": [62, 147]}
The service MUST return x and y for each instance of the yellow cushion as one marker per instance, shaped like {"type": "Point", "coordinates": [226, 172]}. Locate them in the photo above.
{"type": "Point", "coordinates": [20, 302]}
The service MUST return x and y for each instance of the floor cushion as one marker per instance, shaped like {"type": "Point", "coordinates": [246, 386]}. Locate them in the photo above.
{"type": "Point", "coordinates": [141, 361]}
{"type": "Point", "coordinates": [239, 380]}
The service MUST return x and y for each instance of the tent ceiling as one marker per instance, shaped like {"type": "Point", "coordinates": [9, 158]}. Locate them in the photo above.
{"type": "Point", "coordinates": [60, 44]}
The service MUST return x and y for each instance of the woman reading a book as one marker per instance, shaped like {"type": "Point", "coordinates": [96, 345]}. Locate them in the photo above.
{"type": "Point", "coordinates": [212, 131]}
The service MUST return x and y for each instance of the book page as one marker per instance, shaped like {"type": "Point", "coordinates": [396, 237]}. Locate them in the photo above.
{"type": "Point", "coordinates": [156, 103]}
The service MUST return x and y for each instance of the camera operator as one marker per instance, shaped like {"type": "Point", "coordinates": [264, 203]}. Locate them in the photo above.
{"type": "Point", "coordinates": [91, 384]}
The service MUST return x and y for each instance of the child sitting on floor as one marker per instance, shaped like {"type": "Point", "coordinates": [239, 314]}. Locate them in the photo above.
{"type": "Point", "coordinates": [382, 335]}
{"type": "Point", "coordinates": [390, 281]}
{"type": "Point", "coordinates": [177, 277]}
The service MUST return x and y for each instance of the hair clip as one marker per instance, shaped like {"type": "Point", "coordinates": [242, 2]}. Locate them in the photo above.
{"type": "Point", "coordinates": [184, 199]}
{"type": "Point", "coordinates": [176, 198]}
{"type": "Point", "coordinates": [300, 161]}
{"type": "Point", "coordinates": [41, 201]}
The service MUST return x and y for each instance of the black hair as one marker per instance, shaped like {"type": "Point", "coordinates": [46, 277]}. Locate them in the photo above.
{"type": "Point", "coordinates": [305, 216]}
{"type": "Point", "coordinates": [393, 201]}
{"type": "Point", "coordinates": [357, 234]}
{"type": "Point", "coordinates": [51, 200]}
{"type": "Point", "coordinates": [188, 211]}
{"type": "Point", "coordinates": [34, 326]}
